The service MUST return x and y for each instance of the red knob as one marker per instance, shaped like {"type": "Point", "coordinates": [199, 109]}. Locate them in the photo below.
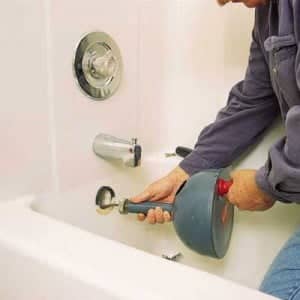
{"type": "Point", "coordinates": [223, 186]}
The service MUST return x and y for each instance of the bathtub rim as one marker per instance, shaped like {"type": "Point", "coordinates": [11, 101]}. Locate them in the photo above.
{"type": "Point", "coordinates": [23, 229]}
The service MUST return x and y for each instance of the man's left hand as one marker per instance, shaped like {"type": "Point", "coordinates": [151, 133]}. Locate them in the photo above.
{"type": "Point", "coordinates": [245, 194]}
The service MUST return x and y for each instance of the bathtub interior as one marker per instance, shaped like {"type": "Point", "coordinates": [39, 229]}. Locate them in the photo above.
{"type": "Point", "coordinates": [257, 237]}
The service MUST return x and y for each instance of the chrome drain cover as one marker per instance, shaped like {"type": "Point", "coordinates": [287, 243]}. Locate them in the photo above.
{"type": "Point", "coordinates": [98, 65]}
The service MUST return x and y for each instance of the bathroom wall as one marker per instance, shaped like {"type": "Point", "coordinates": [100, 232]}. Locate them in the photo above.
{"type": "Point", "coordinates": [188, 77]}
{"type": "Point", "coordinates": [24, 123]}
{"type": "Point", "coordinates": [47, 124]}
{"type": "Point", "coordinates": [180, 60]}
{"type": "Point", "coordinates": [203, 54]}
{"type": "Point", "coordinates": [77, 119]}
{"type": "Point", "coordinates": [172, 86]}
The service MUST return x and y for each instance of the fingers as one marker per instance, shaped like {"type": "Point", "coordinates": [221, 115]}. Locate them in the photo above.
{"type": "Point", "coordinates": [157, 191]}
{"type": "Point", "coordinates": [144, 196]}
{"type": "Point", "coordinates": [159, 215]}
{"type": "Point", "coordinates": [245, 193]}
{"type": "Point", "coordinates": [151, 217]}
{"type": "Point", "coordinates": [167, 216]}
{"type": "Point", "coordinates": [147, 195]}
{"type": "Point", "coordinates": [163, 190]}
{"type": "Point", "coordinates": [223, 2]}
{"type": "Point", "coordinates": [141, 217]}
{"type": "Point", "coordinates": [156, 215]}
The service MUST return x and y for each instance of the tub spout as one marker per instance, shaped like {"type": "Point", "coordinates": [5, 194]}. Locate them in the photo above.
{"type": "Point", "coordinates": [110, 147]}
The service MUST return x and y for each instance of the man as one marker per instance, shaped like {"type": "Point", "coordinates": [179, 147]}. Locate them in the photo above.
{"type": "Point", "coordinates": [271, 87]}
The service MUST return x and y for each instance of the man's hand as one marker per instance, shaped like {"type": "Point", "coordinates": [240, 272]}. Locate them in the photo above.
{"type": "Point", "coordinates": [223, 2]}
{"type": "Point", "coordinates": [163, 190]}
{"type": "Point", "coordinates": [246, 195]}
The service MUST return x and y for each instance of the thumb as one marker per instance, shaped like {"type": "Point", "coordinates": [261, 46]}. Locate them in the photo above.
{"type": "Point", "coordinates": [144, 196]}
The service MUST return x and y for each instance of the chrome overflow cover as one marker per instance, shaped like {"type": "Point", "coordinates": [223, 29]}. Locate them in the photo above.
{"type": "Point", "coordinates": [98, 65]}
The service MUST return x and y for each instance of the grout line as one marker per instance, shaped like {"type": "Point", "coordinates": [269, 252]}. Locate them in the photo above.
{"type": "Point", "coordinates": [138, 124]}
{"type": "Point", "coordinates": [50, 96]}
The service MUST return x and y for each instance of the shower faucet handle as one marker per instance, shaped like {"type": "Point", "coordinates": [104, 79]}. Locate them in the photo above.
{"type": "Point", "coordinates": [98, 65]}
{"type": "Point", "coordinates": [104, 66]}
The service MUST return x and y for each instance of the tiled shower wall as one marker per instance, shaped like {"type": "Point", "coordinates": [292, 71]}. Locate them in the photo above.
{"type": "Point", "coordinates": [47, 125]}
{"type": "Point", "coordinates": [187, 73]}
{"type": "Point", "coordinates": [180, 60]}
{"type": "Point", "coordinates": [77, 119]}
{"type": "Point", "coordinates": [24, 121]}
{"type": "Point", "coordinates": [203, 52]}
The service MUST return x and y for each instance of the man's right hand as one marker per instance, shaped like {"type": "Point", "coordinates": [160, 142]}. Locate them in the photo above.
{"type": "Point", "coordinates": [163, 190]}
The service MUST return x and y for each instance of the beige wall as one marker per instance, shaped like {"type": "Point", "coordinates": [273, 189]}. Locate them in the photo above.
{"type": "Point", "coordinates": [180, 57]}
{"type": "Point", "coordinates": [24, 120]}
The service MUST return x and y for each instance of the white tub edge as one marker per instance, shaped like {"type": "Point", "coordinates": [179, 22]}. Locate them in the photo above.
{"type": "Point", "coordinates": [77, 252]}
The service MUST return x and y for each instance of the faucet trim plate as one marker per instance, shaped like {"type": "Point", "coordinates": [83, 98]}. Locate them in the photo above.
{"type": "Point", "coordinates": [98, 65]}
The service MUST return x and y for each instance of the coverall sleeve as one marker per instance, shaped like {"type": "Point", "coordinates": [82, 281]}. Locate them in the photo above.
{"type": "Point", "coordinates": [251, 108]}
{"type": "Point", "coordinates": [280, 177]}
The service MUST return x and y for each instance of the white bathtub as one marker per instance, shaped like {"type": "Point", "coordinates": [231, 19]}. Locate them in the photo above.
{"type": "Point", "coordinates": [58, 247]}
